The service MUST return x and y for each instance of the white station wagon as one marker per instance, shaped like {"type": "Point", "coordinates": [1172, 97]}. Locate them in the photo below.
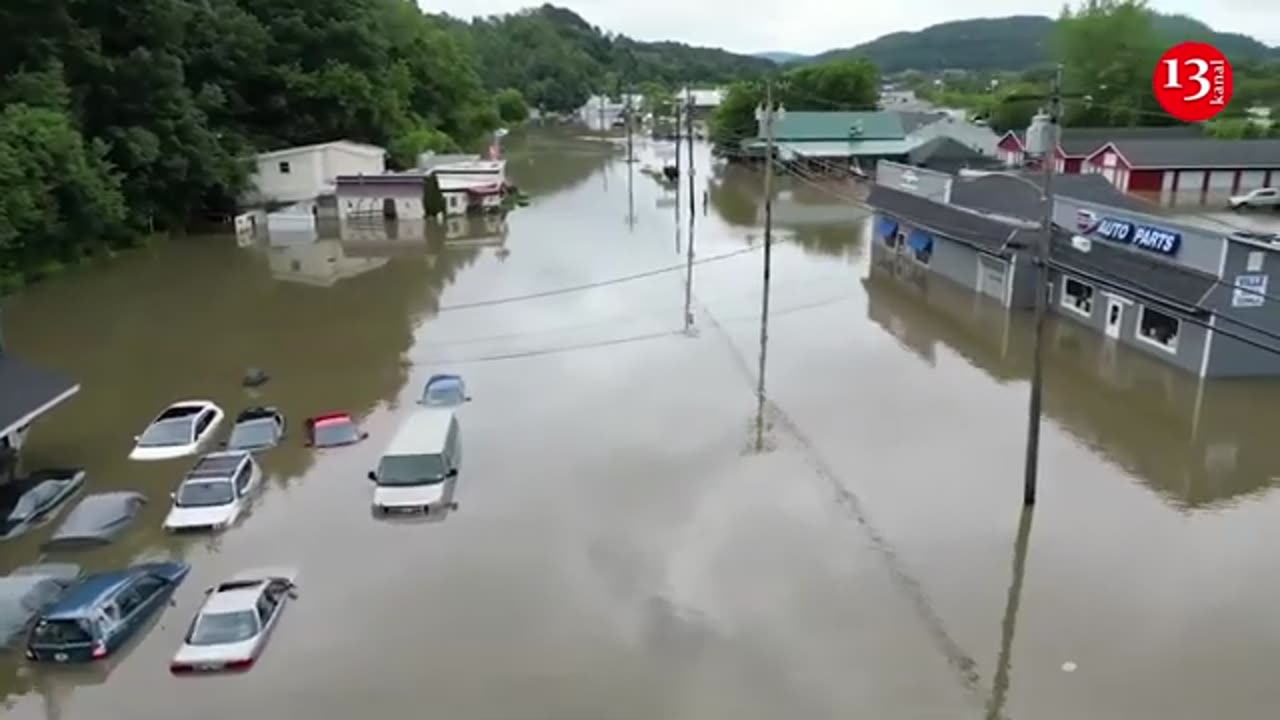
{"type": "Point", "coordinates": [183, 429]}
{"type": "Point", "coordinates": [214, 492]}
{"type": "Point", "coordinates": [232, 629]}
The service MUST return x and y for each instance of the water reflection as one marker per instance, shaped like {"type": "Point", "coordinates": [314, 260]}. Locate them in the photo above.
{"type": "Point", "coordinates": [821, 219]}
{"type": "Point", "coordinates": [315, 262]}
{"type": "Point", "coordinates": [1197, 444]}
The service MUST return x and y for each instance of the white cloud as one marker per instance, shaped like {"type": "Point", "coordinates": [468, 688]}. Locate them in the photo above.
{"type": "Point", "coordinates": [811, 26]}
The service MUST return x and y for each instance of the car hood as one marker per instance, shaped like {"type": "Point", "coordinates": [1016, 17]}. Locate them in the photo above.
{"type": "Point", "coordinates": [181, 517]}
{"type": "Point", "coordinates": [228, 652]}
{"type": "Point", "coordinates": [162, 452]}
{"type": "Point", "coordinates": [407, 495]}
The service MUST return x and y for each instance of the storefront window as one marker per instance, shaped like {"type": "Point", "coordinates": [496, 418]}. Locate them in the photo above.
{"type": "Point", "coordinates": [1077, 296]}
{"type": "Point", "coordinates": [1159, 329]}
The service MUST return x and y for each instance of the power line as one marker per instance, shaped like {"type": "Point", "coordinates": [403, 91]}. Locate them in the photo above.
{"type": "Point", "coordinates": [588, 286]}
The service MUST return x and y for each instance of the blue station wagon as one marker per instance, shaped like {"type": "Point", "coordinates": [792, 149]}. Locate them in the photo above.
{"type": "Point", "coordinates": [98, 615]}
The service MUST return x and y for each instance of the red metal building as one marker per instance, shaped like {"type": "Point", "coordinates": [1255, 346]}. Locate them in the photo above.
{"type": "Point", "coordinates": [1187, 169]}
{"type": "Point", "coordinates": [1078, 143]}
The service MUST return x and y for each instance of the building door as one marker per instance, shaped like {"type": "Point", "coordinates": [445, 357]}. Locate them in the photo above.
{"type": "Point", "coordinates": [1115, 317]}
{"type": "Point", "coordinates": [991, 277]}
{"type": "Point", "coordinates": [389, 208]}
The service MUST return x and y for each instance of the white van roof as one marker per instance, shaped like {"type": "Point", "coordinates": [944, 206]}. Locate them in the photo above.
{"type": "Point", "coordinates": [424, 431]}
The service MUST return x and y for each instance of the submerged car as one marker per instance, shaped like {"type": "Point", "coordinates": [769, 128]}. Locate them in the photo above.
{"type": "Point", "coordinates": [181, 430]}
{"type": "Point", "coordinates": [332, 430]}
{"type": "Point", "coordinates": [256, 429]}
{"type": "Point", "coordinates": [27, 592]}
{"type": "Point", "coordinates": [214, 492]}
{"type": "Point", "coordinates": [232, 629]}
{"type": "Point", "coordinates": [97, 520]}
{"type": "Point", "coordinates": [444, 391]}
{"type": "Point", "coordinates": [47, 491]}
{"type": "Point", "coordinates": [100, 613]}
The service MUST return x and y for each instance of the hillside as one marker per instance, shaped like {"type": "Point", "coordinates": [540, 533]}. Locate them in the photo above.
{"type": "Point", "coordinates": [780, 57]}
{"type": "Point", "coordinates": [1016, 42]}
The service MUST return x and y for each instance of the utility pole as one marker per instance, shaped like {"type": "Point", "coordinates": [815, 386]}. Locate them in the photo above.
{"type": "Point", "coordinates": [688, 280]}
{"type": "Point", "coordinates": [767, 118]}
{"type": "Point", "coordinates": [627, 109]}
{"type": "Point", "coordinates": [688, 107]}
{"type": "Point", "coordinates": [1048, 159]}
{"type": "Point", "coordinates": [600, 105]}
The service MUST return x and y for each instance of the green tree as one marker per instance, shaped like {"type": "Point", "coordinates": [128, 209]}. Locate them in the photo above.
{"type": "Point", "coordinates": [405, 149]}
{"type": "Point", "coordinates": [510, 105]}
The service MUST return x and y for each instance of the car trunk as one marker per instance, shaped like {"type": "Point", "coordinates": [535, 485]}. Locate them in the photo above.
{"type": "Point", "coordinates": [63, 641]}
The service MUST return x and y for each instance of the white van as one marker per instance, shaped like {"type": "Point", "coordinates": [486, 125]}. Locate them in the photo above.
{"type": "Point", "coordinates": [423, 457]}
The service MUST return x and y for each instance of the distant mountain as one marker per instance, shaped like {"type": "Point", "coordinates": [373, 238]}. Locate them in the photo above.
{"type": "Point", "coordinates": [780, 57]}
{"type": "Point", "coordinates": [1015, 43]}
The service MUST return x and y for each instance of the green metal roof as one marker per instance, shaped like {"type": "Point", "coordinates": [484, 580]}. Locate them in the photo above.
{"type": "Point", "coordinates": [807, 125]}
{"type": "Point", "coordinates": [826, 148]}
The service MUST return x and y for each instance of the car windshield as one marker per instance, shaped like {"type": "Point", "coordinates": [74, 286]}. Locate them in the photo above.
{"type": "Point", "coordinates": [253, 434]}
{"type": "Point", "coordinates": [336, 432]}
{"type": "Point", "coordinates": [60, 632]}
{"type": "Point", "coordinates": [224, 627]}
{"type": "Point", "coordinates": [204, 493]}
{"type": "Point", "coordinates": [33, 500]}
{"type": "Point", "coordinates": [411, 470]}
{"type": "Point", "coordinates": [167, 432]}
{"type": "Point", "coordinates": [444, 393]}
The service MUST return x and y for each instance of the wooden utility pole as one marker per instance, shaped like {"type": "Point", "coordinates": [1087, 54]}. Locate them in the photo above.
{"type": "Point", "coordinates": [1043, 248]}
{"type": "Point", "coordinates": [688, 114]}
{"type": "Point", "coordinates": [767, 119]}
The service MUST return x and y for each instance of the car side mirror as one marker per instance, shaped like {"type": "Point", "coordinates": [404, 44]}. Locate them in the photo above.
{"type": "Point", "coordinates": [222, 443]}
{"type": "Point", "coordinates": [173, 496]}
{"type": "Point", "coordinates": [306, 443]}
{"type": "Point", "coordinates": [466, 399]}
{"type": "Point", "coordinates": [293, 593]}
{"type": "Point", "coordinates": [364, 435]}
{"type": "Point", "coordinates": [136, 438]}
{"type": "Point", "coordinates": [373, 476]}
{"type": "Point", "coordinates": [453, 473]}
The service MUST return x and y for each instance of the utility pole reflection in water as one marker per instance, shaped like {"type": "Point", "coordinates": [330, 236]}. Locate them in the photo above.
{"type": "Point", "coordinates": [766, 116]}
{"type": "Point", "coordinates": [1000, 685]}
{"type": "Point", "coordinates": [631, 196]}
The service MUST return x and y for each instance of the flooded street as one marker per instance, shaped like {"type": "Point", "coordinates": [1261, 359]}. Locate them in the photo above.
{"type": "Point", "coordinates": [622, 548]}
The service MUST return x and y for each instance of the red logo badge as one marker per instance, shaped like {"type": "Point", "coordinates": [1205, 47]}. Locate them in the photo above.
{"type": "Point", "coordinates": [1192, 81]}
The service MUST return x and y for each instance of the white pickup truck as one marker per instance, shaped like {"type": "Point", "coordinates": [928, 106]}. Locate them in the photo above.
{"type": "Point", "coordinates": [1262, 198]}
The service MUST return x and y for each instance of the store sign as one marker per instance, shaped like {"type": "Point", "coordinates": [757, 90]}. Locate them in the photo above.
{"type": "Point", "coordinates": [1143, 237]}
{"type": "Point", "coordinates": [1250, 291]}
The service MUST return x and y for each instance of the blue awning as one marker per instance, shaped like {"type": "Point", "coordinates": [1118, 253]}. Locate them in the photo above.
{"type": "Point", "coordinates": [920, 241]}
{"type": "Point", "coordinates": [886, 226]}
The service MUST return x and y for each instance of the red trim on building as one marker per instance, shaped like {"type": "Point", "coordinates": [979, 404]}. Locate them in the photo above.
{"type": "Point", "coordinates": [1072, 165]}
{"type": "Point", "coordinates": [1005, 144]}
{"type": "Point", "coordinates": [1145, 180]}
{"type": "Point", "coordinates": [1119, 155]}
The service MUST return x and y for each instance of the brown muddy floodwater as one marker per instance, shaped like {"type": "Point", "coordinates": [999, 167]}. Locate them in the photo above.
{"type": "Point", "coordinates": [621, 550]}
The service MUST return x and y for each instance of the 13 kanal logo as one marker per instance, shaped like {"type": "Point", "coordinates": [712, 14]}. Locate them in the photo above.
{"type": "Point", "coordinates": [1192, 81]}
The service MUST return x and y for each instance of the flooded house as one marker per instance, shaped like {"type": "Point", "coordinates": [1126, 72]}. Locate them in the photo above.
{"type": "Point", "coordinates": [295, 174]}
{"type": "Point", "coordinates": [823, 141]}
{"type": "Point", "coordinates": [1142, 280]}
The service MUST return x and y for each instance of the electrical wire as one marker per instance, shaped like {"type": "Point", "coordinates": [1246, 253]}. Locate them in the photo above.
{"type": "Point", "coordinates": [590, 286]}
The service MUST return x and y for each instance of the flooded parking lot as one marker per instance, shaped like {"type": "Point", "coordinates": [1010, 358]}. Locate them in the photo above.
{"type": "Point", "coordinates": [622, 548]}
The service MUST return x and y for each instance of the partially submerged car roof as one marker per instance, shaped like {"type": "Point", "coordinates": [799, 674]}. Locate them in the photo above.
{"type": "Point", "coordinates": [256, 413]}
{"type": "Point", "coordinates": [216, 465]}
{"type": "Point", "coordinates": [97, 519]}
{"type": "Point", "coordinates": [330, 418]}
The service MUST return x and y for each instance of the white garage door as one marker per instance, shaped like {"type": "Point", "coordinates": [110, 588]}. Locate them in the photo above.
{"type": "Point", "coordinates": [1252, 180]}
{"type": "Point", "coordinates": [1190, 181]}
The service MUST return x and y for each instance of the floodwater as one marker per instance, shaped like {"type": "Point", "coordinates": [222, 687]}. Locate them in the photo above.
{"type": "Point", "coordinates": [623, 547]}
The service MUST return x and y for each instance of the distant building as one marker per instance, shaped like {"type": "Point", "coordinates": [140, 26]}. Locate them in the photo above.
{"type": "Point", "coordinates": [467, 185]}
{"type": "Point", "coordinates": [945, 154]}
{"type": "Point", "coordinates": [293, 174]}
{"type": "Point", "coordinates": [1078, 143]}
{"type": "Point", "coordinates": [927, 126]}
{"type": "Point", "coordinates": [1187, 171]}
{"type": "Point", "coordinates": [823, 140]}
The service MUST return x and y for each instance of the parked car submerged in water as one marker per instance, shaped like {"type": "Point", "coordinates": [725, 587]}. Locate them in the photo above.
{"type": "Point", "coordinates": [100, 613]}
{"type": "Point", "coordinates": [333, 430]}
{"type": "Point", "coordinates": [96, 520]}
{"type": "Point", "coordinates": [182, 429]}
{"type": "Point", "coordinates": [232, 628]}
{"type": "Point", "coordinates": [256, 429]}
{"type": "Point", "coordinates": [444, 391]}
{"type": "Point", "coordinates": [28, 591]}
{"type": "Point", "coordinates": [214, 492]}
{"type": "Point", "coordinates": [47, 491]}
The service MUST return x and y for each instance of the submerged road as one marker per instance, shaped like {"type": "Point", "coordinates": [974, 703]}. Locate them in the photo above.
{"type": "Point", "coordinates": [622, 548]}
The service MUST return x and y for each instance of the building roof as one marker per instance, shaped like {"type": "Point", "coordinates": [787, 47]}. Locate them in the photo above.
{"type": "Point", "coordinates": [820, 149]}
{"type": "Point", "coordinates": [1081, 141]}
{"type": "Point", "coordinates": [430, 161]}
{"type": "Point", "coordinates": [987, 234]}
{"type": "Point", "coordinates": [412, 177]}
{"type": "Point", "coordinates": [943, 152]}
{"type": "Point", "coordinates": [1003, 195]}
{"type": "Point", "coordinates": [801, 125]}
{"type": "Point", "coordinates": [913, 120]}
{"type": "Point", "coordinates": [1196, 153]}
{"type": "Point", "coordinates": [1137, 272]}
{"type": "Point", "coordinates": [26, 392]}
{"type": "Point", "coordinates": [372, 150]}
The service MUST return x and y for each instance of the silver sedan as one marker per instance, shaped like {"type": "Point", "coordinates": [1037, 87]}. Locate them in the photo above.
{"type": "Point", "coordinates": [232, 628]}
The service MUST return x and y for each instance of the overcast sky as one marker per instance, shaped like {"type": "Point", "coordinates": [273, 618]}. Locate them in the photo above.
{"type": "Point", "coordinates": [811, 26]}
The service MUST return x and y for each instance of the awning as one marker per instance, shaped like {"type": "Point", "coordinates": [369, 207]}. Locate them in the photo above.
{"type": "Point", "coordinates": [886, 226]}
{"type": "Point", "coordinates": [27, 392]}
{"type": "Point", "coordinates": [920, 241]}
